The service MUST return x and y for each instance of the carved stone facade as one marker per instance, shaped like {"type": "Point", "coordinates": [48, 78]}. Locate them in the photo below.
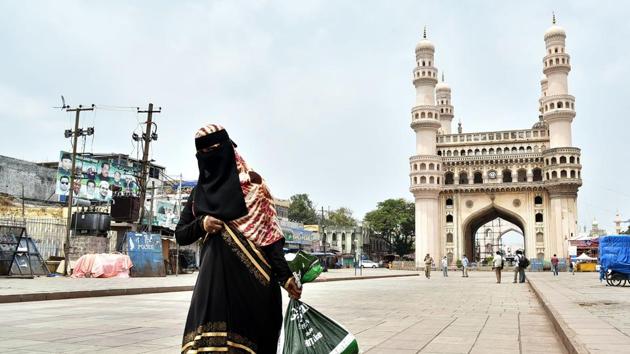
{"type": "Point", "coordinates": [528, 177]}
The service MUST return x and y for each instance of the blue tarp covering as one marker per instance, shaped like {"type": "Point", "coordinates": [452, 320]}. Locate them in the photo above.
{"type": "Point", "coordinates": [614, 254]}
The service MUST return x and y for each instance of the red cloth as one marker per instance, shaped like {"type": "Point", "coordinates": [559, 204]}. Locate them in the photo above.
{"type": "Point", "coordinates": [554, 260]}
{"type": "Point", "coordinates": [102, 266]}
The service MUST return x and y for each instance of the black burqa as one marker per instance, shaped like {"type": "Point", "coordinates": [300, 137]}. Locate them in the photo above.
{"type": "Point", "coordinates": [236, 303]}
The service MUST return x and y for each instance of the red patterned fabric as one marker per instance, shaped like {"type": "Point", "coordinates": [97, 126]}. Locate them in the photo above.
{"type": "Point", "coordinates": [261, 225]}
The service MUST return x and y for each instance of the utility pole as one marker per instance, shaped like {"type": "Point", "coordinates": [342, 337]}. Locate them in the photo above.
{"type": "Point", "coordinates": [147, 137]}
{"type": "Point", "coordinates": [75, 136]}
{"type": "Point", "coordinates": [324, 241]}
{"type": "Point", "coordinates": [151, 208]}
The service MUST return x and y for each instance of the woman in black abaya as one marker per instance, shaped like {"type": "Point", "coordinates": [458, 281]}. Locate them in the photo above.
{"type": "Point", "coordinates": [236, 303]}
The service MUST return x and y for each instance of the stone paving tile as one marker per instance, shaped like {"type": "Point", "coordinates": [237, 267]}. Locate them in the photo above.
{"type": "Point", "coordinates": [397, 315]}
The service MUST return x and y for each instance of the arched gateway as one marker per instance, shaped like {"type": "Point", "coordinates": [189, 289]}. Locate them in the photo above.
{"type": "Point", "coordinates": [528, 177]}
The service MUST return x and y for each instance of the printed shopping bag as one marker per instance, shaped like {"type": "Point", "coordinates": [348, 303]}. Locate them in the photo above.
{"type": "Point", "coordinates": [307, 331]}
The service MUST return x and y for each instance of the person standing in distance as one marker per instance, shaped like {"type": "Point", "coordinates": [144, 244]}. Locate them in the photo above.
{"type": "Point", "coordinates": [497, 265]}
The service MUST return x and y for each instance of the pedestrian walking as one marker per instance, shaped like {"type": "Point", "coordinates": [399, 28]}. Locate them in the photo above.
{"type": "Point", "coordinates": [236, 303]}
{"type": "Point", "coordinates": [465, 266]}
{"type": "Point", "coordinates": [497, 265]}
{"type": "Point", "coordinates": [571, 266]}
{"type": "Point", "coordinates": [554, 265]}
{"type": "Point", "coordinates": [428, 262]}
{"type": "Point", "coordinates": [519, 270]}
{"type": "Point", "coordinates": [444, 266]}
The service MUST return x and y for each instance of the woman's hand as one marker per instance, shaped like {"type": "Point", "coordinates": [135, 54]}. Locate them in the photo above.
{"type": "Point", "coordinates": [292, 288]}
{"type": "Point", "coordinates": [211, 224]}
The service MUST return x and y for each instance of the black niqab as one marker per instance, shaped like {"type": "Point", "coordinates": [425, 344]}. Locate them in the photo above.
{"type": "Point", "coordinates": [218, 192]}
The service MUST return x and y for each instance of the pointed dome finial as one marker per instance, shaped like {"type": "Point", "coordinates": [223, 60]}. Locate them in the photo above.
{"type": "Point", "coordinates": [424, 35]}
{"type": "Point", "coordinates": [553, 15]}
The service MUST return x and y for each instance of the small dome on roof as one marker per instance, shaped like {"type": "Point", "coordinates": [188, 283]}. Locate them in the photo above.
{"type": "Point", "coordinates": [555, 30]}
{"type": "Point", "coordinates": [541, 124]}
{"type": "Point", "coordinates": [425, 44]}
{"type": "Point", "coordinates": [442, 86]}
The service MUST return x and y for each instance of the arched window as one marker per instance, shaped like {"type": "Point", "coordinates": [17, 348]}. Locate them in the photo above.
{"type": "Point", "coordinates": [430, 115]}
{"type": "Point", "coordinates": [537, 175]}
{"type": "Point", "coordinates": [538, 200]}
{"type": "Point", "coordinates": [422, 115]}
{"type": "Point", "coordinates": [563, 159]}
{"type": "Point", "coordinates": [415, 180]}
{"type": "Point", "coordinates": [448, 153]}
{"type": "Point", "coordinates": [477, 152]}
{"type": "Point", "coordinates": [469, 152]}
{"type": "Point", "coordinates": [431, 180]}
{"type": "Point", "coordinates": [415, 167]}
{"type": "Point", "coordinates": [539, 237]}
{"type": "Point", "coordinates": [449, 218]}
{"type": "Point", "coordinates": [539, 217]}
{"type": "Point", "coordinates": [507, 176]}
{"type": "Point", "coordinates": [477, 177]}
{"type": "Point", "coordinates": [579, 173]}
{"type": "Point", "coordinates": [491, 151]}
{"type": "Point", "coordinates": [572, 159]}
{"type": "Point", "coordinates": [484, 151]}
{"type": "Point", "coordinates": [563, 174]}
{"type": "Point", "coordinates": [572, 173]}
{"type": "Point", "coordinates": [522, 175]}
{"type": "Point", "coordinates": [560, 104]}
{"type": "Point", "coordinates": [462, 153]}
{"type": "Point", "coordinates": [506, 150]}
{"type": "Point", "coordinates": [552, 105]}
{"type": "Point", "coordinates": [431, 166]}
{"type": "Point", "coordinates": [463, 178]}
{"type": "Point", "coordinates": [343, 241]}
{"type": "Point", "coordinates": [554, 175]}
{"type": "Point", "coordinates": [423, 63]}
{"type": "Point", "coordinates": [578, 160]}
{"type": "Point", "coordinates": [449, 202]}
{"type": "Point", "coordinates": [449, 238]}
{"type": "Point", "coordinates": [455, 153]}
{"type": "Point", "coordinates": [521, 149]}
{"type": "Point", "coordinates": [448, 178]}
{"type": "Point", "coordinates": [423, 180]}
{"type": "Point", "coordinates": [423, 166]}
{"type": "Point", "coordinates": [514, 149]}
{"type": "Point", "coordinates": [499, 151]}
{"type": "Point", "coordinates": [529, 149]}
{"type": "Point", "coordinates": [554, 161]}
{"type": "Point", "coordinates": [334, 238]}
{"type": "Point", "coordinates": [437, 167]}
{"type": "Point", "coordinates": [438, 180]}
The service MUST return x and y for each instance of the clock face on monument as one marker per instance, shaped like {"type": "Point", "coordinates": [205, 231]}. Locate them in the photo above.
{"type": "Point", "coordinates": [492, 174]}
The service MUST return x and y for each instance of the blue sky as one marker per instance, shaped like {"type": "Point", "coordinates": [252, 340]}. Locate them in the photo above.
{"type": "Point", "coordinates": [316, 93]}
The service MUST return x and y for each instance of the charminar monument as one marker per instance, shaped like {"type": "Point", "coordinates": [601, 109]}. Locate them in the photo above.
{"type": "Point", "coordinates": [527, 177]}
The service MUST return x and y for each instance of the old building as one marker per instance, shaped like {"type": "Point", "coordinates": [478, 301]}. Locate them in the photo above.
{"type": "Point", "coordinates": [528, 177]}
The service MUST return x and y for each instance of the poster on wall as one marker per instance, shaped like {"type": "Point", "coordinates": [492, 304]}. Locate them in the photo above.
{"type": "Point", "coordinates": [95, 179]}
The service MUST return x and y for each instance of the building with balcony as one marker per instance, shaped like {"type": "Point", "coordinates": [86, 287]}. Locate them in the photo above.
{"type": "Point", "coordinates": [527, 177]}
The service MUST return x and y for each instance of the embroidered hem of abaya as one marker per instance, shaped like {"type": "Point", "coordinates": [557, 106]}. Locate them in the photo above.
{"type": "Point", "coordinates": [236, 305]}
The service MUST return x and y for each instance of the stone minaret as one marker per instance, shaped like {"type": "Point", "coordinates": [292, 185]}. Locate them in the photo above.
{"type": "Point", "coordinates": [443, 96]}
{"type": "Point", "coordinates": [426, 166]}
{"type": "Point", "coordinates": [562, 159]}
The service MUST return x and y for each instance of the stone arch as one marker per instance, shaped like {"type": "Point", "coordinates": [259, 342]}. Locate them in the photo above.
{"type": "Point", "coordinates": [480, 218]}
{"type": "Point", "coordinates": [536, 174]}
{"type": "Point", "coordinates": [449, 178]}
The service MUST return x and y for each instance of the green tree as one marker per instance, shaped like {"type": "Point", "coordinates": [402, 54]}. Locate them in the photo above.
{"type": "Point", "coordinates": [394, 222]}
{"type": "Point", "coordinates": [627, 232]}
{"type": "Point", "coordinates": [302, 210]}
{"type": "Point", "coordinates": [341, 217]}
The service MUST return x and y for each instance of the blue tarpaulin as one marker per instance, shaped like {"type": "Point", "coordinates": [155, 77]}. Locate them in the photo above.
{"type": "Point", "coordinates": [614, 254]}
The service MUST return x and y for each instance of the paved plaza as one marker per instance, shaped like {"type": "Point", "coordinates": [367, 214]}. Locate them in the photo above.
{"type": "Point", "coordinates": [391, 315]}
{"type": "Point", "coordinates": [594, 317]}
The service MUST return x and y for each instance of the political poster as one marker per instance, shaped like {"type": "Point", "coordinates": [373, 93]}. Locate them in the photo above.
{"type": "Point", "coordinates": [95, 179]}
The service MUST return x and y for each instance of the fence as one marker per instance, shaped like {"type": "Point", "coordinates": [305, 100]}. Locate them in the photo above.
{"type": "Point", "coordinates": [49, 233]}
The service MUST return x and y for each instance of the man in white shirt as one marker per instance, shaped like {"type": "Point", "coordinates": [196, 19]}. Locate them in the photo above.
{"type": "Point", "coordinates": [465, 266]}
{"type": "Point", "coordinates": [497, 265]}
{"type": "Point", "coordinates": [444, 266]}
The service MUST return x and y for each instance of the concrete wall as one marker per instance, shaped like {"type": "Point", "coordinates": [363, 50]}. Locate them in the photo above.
{"type": "Point", "coordinates": [38, 181]}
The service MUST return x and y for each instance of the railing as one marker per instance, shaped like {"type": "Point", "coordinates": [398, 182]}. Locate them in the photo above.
{"type": "Point", "coordinates": [499, 136]}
